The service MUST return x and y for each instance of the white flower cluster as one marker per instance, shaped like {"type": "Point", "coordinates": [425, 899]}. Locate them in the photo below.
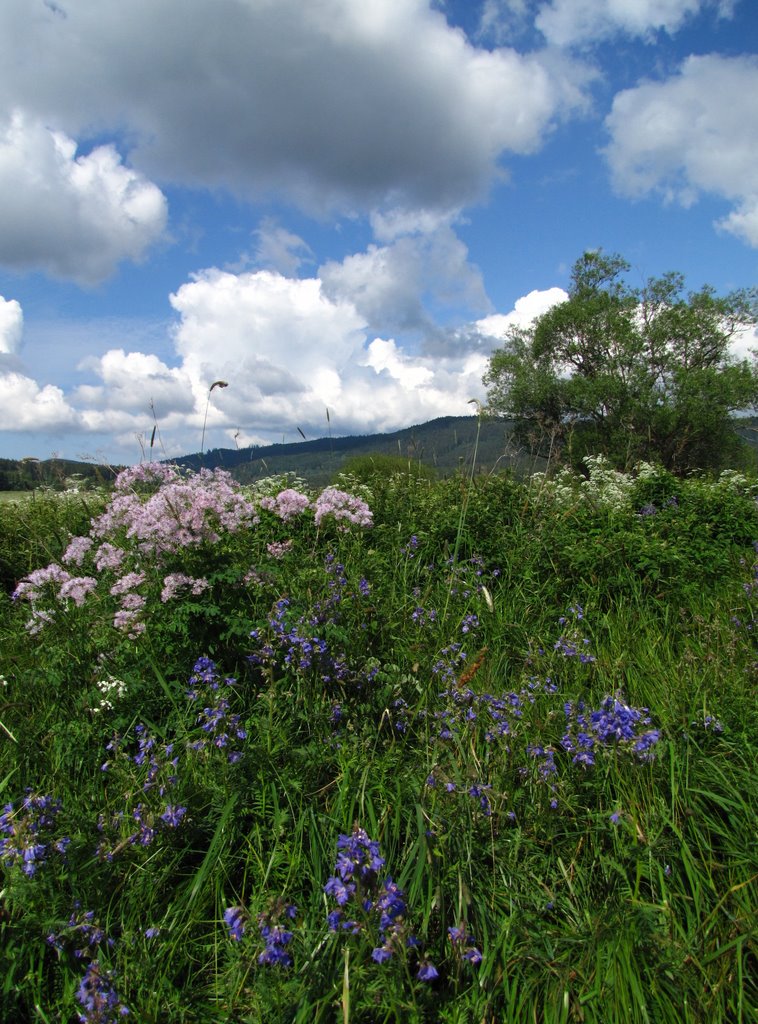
{"type": "Point", "coordinates": [604, 487]}
{"type": "Point", "coordinates": [736, 481]}
{"type": "Point", "coordinates": [111, 689]}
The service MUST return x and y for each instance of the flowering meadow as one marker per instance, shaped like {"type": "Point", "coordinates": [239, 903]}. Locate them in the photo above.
{"type": "Point", "coordinates": [471, 750]}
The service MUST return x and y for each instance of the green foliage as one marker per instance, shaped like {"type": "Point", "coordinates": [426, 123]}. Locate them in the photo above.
{"type": "Point", "coordinates": [425, 682]}
{"type": "Point", "coordinates": [633, 374]}
{"type": "Point", "coordinates": [36, 528]}
{"type": "Point", "coordinates": [366, 469]}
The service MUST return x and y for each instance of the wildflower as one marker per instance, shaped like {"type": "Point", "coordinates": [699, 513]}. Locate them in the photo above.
{"type": "Point", "coordinates": [223, 729]}
{"type": "Point", "coordinates": [463, 945]}
{"type": "Point", "coordinates": [279, 549]}
{"type": "Point", "coordinates": [275, 953]}
{"type": "Point", "coordinates": [109, 557]}
{"type": "Point", "coordinates": [31, 587]}
{"type": "Point", "coordinates": [177, 580]}
{"type": "Point", "coordinates": [77, 549]}
{"type": "Point", "coordinates": [288, 504]}
{"type": "Point", "coordinates": [340, 890]}
{"type": "Point", "coordinates": [173, 815]}
{"type": "Point", "coordinates": [427, 971]}
{"type": "Point", "coordinates": [343, 507]}
{"type": "Point", "coordinates": [276, 937]}
{"type": "Point", "coordinates": [470, 622]}
{"type": "Point", "coordinates": [613, 723]}
{"type": "Point", "coordinates": [110, 688]}
{"type": "Point", "coordinates": [77, 589]}
{"type": "Point", "coordinates": [180, 513]}
{"type": "Point", "coordinates": [98, 997]}
{"type": "Point", "coordinates": [25, 833]}
{"type": "Point", "coordinates": [355, 883]}
{"type": "Point", "coordinates": [235, 920]}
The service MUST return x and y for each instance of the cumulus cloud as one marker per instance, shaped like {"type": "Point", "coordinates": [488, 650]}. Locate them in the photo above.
{"type": "Point", "coordinates": [333, 103]}
{"type": "Point", "coordinates": [279, 249]}
{"type": "Point", "coordinates": [293, 348]}
{"type": "Point", "coordinates": [525, 310]}
{"type": "Point", "coordinates": [393, 286]}
{"type": "Point", "coordinates": [11, 325]}
{"type": "Point", "coordinates": [568, 22]}
{"type": "Point", "coordinates": [74, 216]}
{"type": "Point", "coordinates": [690, 134]}
{"type": "Point", "coordinates": [290, 351]}
{"type": "Point", "coordinates": [135, 381]}
{"type": "Point", "coordinates": [25, 406]}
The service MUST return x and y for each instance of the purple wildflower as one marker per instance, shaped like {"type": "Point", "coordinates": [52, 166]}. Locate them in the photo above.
{"type": "Point", "coordinates": [235, 919]}
{"type": "Point", "coordinates": [427, 971]}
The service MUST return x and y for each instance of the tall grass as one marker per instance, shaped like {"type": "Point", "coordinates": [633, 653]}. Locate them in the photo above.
{"type": "Point", "coordinates": [487, 755]}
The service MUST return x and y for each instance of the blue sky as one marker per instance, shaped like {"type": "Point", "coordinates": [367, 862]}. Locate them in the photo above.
{"type": "Point", "coordinates": [342, 204]}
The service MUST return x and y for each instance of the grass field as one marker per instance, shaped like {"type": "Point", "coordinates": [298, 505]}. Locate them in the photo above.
{"type": "Point", "coordinates": [477, 750]}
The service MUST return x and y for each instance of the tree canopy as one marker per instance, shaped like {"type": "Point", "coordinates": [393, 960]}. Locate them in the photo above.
{"type": "Point", "coordinates": [630, 373]}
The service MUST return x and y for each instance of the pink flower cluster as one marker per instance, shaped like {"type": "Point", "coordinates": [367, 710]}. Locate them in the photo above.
{"type": "Point", "coordinates": [65, 588]}
{"type": "Point", "coordinates": [77, 549]}
{"type": "Point", "coordinates": [109, 557]}
{"type": "Point", "coordinates": [69, 588]}
{"type": "Point", "coordinates": [182, 512]}
{"type": "Point", "coordinates": [287, 504]}
{"type": "Point", "coordinates": [174, 582]}
{"type": "Point", "coordinates": [278, 549]}
{"type": "Point", "coordinates": [343, 506]}
{"type": "Point", "coordinates": [157, 512]}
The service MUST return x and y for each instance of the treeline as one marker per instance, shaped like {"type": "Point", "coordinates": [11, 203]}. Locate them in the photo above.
{"type": "Point", "coordinates": [55, 474]}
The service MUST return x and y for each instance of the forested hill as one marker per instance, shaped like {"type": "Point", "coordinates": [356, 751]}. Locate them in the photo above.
{"type": "Point", "coordinates": [446, 445]}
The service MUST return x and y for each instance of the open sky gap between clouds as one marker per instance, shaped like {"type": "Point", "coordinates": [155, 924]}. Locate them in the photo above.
{"type": "Point", "coordinates": [315, 201]}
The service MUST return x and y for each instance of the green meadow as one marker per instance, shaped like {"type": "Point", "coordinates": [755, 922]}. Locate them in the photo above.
{"type": "Point", "coordinates": [401, 750]}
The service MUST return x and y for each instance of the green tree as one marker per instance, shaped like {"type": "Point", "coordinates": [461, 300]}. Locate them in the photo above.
{"type": "Point", "coordinates": [629, 373]}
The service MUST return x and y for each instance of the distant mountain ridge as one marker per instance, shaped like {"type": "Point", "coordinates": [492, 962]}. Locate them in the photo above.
{"type": "Point", "coordinates": [444, 444]}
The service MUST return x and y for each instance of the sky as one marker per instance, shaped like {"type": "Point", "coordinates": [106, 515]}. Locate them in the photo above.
{"type": "Point", "coordinates": [339, 207]}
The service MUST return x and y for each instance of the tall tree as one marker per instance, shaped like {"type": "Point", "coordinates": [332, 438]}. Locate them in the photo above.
{"type": "Point", "coordinates": [630, 373]}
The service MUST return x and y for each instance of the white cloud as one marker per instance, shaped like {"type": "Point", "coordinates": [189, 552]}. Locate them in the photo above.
{"type": "Point", "coordinates": [134, 381]}
{"type": "Point", "coordinates": [11, 325]}
{"type": "Point", "coordinates": [333, 103]}
{"type": "Point", "coordinates": [290, 349]}
{"type": "Point", "coordinates": [279, 249]}
{"type": "Point", "coordinates": [744, 343]}
{"type": "Point", "coordinates": [74, 216]}
{"type": "Point", "coordinates": [384, 355]}
{"type": "Point", "coordinates": [694, 133]}
{"type": "Point", "coordinates": [393, 286]}
{"type": "Point", "coordinates": [743, 221]}
{"type": "Point", "coordinates": [524, 312]}
{"type": "Point", "coordinates": [568, 22]}
{"type": "Point", "coordinates": [24, 406]}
